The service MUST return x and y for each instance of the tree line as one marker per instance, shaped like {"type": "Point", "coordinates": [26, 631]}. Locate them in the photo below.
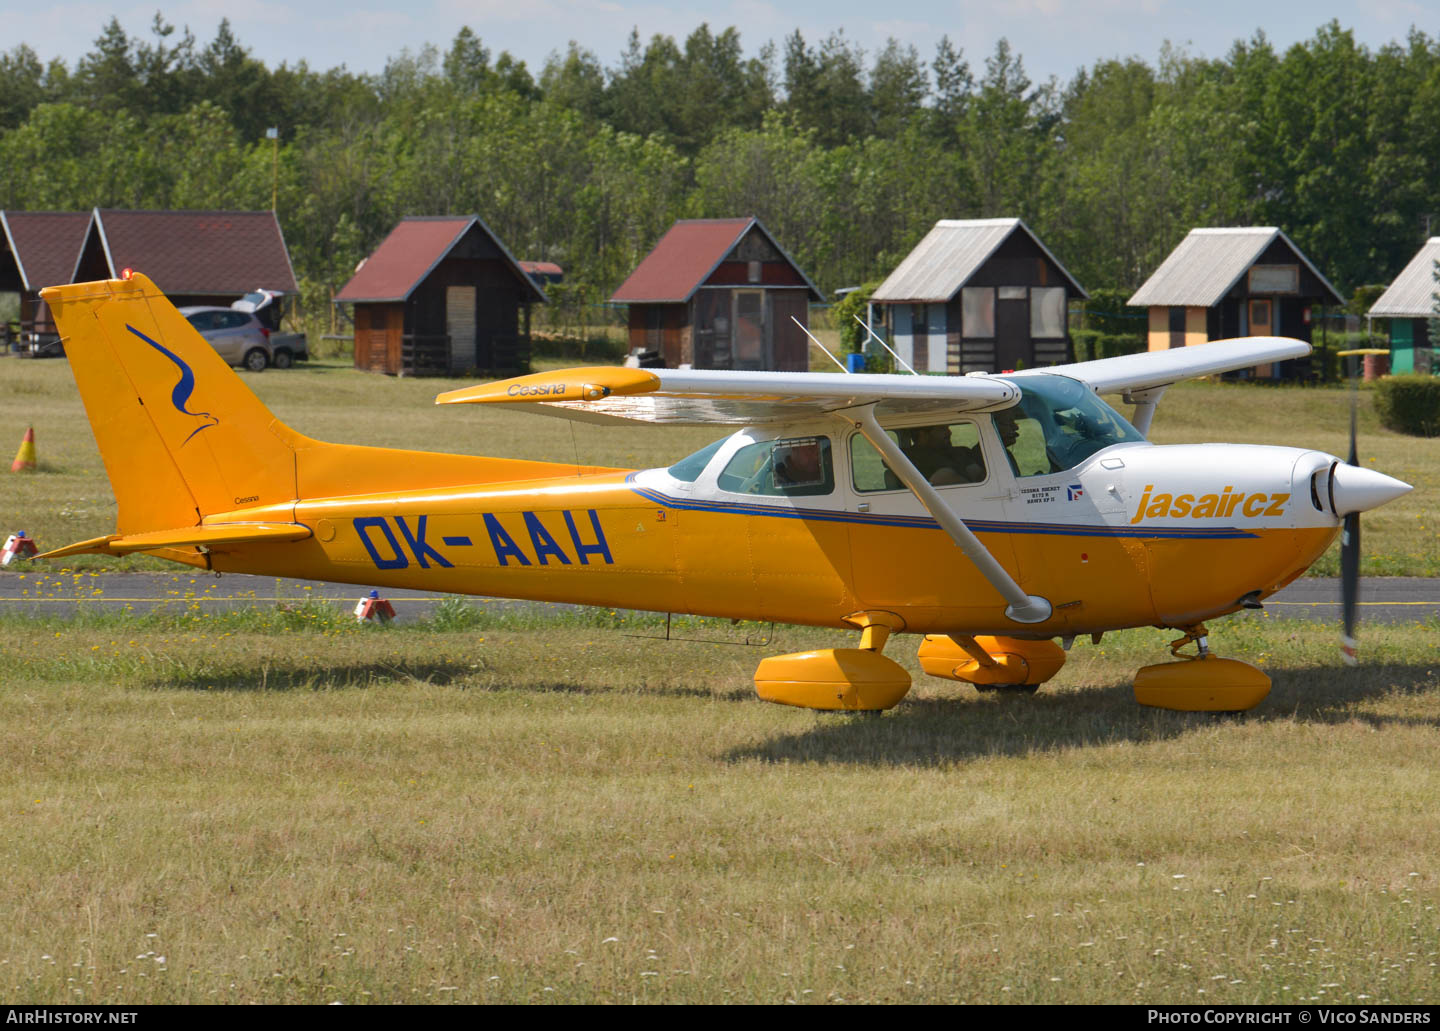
{"type": "Point", "coordinates": [848, 156]}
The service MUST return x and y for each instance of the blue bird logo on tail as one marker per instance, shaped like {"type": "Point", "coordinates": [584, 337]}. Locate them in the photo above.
{"type": "Point", "coordinates": [180, 396]}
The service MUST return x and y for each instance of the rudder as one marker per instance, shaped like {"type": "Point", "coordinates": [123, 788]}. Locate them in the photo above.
{"type": "Point", "coordinates": [179, 432]}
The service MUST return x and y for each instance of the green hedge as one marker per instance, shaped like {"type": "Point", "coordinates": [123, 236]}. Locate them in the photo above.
{"type": "Point", "coordinates": [1092, 343]}
{"type": "Point", "coordinates": [1107, 312]}
{"type": "Point", "coordinates": [1409, 404]}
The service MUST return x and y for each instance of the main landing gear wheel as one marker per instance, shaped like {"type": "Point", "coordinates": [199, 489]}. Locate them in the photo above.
{"type": "Point", "coordinates": [839, 679]}
{"type": "Point", "coordinates": [1002, 664]}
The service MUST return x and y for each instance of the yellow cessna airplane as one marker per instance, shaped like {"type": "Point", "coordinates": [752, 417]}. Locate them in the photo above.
{"type": "Point", "coordinates": [989, 513]}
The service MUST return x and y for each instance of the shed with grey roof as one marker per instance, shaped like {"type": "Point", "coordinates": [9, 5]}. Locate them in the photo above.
{"type": "Point", "coordinates": [1409, 304]}
{"type": "Point", "coordinates": [978, 295]}
{"type": "Point", "coordinates": [1237, 281]}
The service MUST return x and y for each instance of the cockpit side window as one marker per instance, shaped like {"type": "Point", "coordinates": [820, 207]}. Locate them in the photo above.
{"type": "Point", "coordinates": [791, 467]}
{"type": "Point", "coordinates": [945, 454]}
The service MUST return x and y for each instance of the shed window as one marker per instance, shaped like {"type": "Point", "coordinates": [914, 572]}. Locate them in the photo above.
{"type": "Point", "coordinates": [1012, 293]}
{"type": "Point", "coordinates": [1259, 318]}
{"type": "Point", "coordinates": [752, 271]}
{"type": "Point", "coordinates": [793, 467]}
{"type": "Point", "coordinates": [977, 311]}
{"type": "Point", "coordinates": [1275, 279]}
{"type": "Point", "coordinates": [1047, 312]}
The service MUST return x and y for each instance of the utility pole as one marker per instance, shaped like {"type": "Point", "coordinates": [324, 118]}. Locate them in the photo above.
{"type": "Point", "coordinates": [273, 135]}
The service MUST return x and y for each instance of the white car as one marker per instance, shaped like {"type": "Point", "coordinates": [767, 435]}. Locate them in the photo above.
{"type": "Point", "coordinates": [242, 337]}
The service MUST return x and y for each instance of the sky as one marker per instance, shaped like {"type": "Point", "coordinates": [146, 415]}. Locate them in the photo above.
{"type": "Point", "coordinates": [1053, 37]}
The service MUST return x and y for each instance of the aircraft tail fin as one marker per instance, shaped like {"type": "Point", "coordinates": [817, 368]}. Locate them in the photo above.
{"type": "Point", "coordinates": [180, 433]}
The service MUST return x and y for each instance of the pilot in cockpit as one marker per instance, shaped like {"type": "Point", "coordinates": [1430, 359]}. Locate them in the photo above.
{"type": "Point", "coordinates": [940, 461]}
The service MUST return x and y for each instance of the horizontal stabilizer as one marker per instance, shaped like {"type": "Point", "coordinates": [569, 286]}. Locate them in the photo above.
{"type": "Point", "coordinates": [209, 537]}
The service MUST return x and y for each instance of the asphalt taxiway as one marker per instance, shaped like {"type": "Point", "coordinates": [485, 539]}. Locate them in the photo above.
{"type": "Point", "coordinates": [34, 590]}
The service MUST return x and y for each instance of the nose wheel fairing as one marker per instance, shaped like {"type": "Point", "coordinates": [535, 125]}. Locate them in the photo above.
{"type": "Point", "coordinates": [1202, 682]}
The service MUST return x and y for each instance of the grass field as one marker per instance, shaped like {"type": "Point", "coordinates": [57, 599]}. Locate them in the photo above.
{"type": "Point", "coordinates": [284, 806]}
{"type": "Point", "coordinates": [69, 499]}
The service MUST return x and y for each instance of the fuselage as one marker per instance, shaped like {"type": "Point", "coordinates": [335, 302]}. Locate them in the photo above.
{"type": "Point", "coordinates": [1135, 534]}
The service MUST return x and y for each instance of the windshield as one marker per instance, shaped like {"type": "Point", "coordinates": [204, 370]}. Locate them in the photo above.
{"type": "Point", "coordinates": [1058, 423]}
{"type": "Point", "coordinates": [689, 469]}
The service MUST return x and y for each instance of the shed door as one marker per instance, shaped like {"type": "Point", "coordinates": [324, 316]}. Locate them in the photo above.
{"type": "Point", "coordinates": [1012, 334]}
{"type": "Point", "coordinates": [791, 348]}
{"type": "Point", "coordinates": [460, 325]}
{"type": "Point", "coordinates": [394, 338]}
{"type": "Point", "coordinates": [750, 330]}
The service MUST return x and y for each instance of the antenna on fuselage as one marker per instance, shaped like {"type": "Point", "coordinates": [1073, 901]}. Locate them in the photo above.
{"type": "Point", "coordinates": [875, 337]}
{"type": "Point", "coordinates": [818, 344]}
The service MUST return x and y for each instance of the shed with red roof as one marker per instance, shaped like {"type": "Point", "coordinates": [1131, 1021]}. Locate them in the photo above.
{"type": "Point", "coordinates": [442, 296]}
{"type": "Point", "coordinates": [720, 293]}
{"type": "Point", "coordinates": [39, 249]}
{"type": "Point", "coordinates": [195, 257]}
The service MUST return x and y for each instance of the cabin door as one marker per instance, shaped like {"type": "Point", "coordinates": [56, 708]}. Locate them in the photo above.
{"type": "Point", "coordinates": [460, 326]}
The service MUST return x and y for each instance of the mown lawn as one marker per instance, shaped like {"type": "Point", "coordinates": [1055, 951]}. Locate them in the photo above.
{"type": "Point", "coordinates": [283, 806]}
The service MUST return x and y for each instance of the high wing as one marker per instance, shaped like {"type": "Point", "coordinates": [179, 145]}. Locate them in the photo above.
{"type": "Point", "coordinates": [606, 394]}
{"type": "Point", "coordinates": [1151, 369]}
{"type": "Point", "coordinates": [697, 397]}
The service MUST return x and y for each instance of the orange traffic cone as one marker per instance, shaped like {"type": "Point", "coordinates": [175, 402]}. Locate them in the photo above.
{"type": "Point", "coordinates": [25, 457]}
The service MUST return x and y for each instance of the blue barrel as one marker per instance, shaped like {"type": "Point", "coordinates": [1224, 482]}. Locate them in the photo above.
{"type": "Point", "coordinates": [855, 363]}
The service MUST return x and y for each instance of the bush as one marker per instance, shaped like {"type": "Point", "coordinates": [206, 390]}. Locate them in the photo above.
{"type": "Point", "coordinates": [1091, 344]}
{"type": "Point", "coordinates": [594, 346]}
{"type": "Point", "coordinates": [1107, 312]}
{"type": "Point", "coordinates": [852, 334]}
{"type": "Point", "coordinates": [1409, 404]}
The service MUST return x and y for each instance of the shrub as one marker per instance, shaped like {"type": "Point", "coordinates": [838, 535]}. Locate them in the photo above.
{"type": "Point", "coordinates": [852, 334]}
{"type": "Point", "coordinates": [1107, 312]}
{"type": "Point", "coordinates": [1409, 404]}
{"type": "Point", "coordinates": [1090, 344]}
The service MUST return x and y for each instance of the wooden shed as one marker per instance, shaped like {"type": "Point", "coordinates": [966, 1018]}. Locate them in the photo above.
{"type": "Point", "coordinates": [1235, 282]}
{"type": "Point", "coordinates": [1410, 303]}
{"type": "Point", "coordinates": [441, 296]}
{"type": "Point", "coordinates": [195, 257]}
{"type": "Point", "coordinates": [720, 293]}
{"type": "Point", "coordinates": [40, 248]}
{"type": "Point", "coordinates": [978, 295]}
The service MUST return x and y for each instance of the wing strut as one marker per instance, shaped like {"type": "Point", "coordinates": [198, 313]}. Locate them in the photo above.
{"type": "Point", "coordinates": [1023, 608]}
{"type": "Point", "coordinates": [1144, 402]}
